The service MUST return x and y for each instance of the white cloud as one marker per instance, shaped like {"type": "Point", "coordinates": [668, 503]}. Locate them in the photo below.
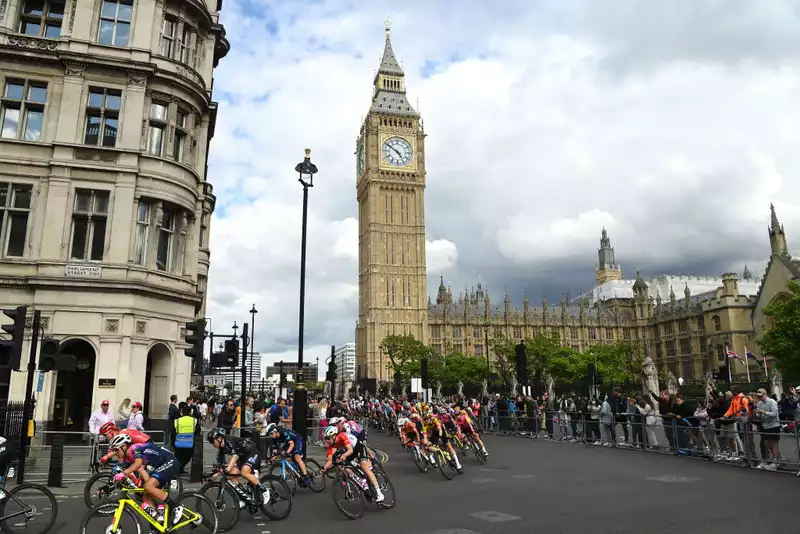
{"type": "Point", "coordinates": [546, 121]}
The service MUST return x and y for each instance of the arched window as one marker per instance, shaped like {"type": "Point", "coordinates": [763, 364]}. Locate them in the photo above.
{"type": "Point", "coordinates": [717, 323]}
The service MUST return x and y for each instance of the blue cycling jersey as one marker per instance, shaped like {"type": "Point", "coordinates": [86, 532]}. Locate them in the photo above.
{"type": "Point", "coordinates": [285, 435]}
{"type": "Point", "coordinates": [150, 454]}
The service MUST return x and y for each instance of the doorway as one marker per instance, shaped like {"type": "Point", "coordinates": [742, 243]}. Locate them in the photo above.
{"type": "Point", "coordinates": [72, 406]}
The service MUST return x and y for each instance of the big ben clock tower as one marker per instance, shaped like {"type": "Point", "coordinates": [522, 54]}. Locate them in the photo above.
{"type": "Point", "coordinates": [390, 169]}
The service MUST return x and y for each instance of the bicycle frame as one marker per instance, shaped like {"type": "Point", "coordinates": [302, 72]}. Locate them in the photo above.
{"type": "Point", "coordinates": [288, 464]}
{"type": "Point", "coordinates": [192, 517]}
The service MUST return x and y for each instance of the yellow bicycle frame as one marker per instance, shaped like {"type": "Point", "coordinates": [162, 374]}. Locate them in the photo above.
{"type": "Point", "coordinates": [190, 516]}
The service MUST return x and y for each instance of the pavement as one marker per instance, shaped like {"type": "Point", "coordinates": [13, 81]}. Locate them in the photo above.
{"type": "Point", "coordinates": [536, 485]}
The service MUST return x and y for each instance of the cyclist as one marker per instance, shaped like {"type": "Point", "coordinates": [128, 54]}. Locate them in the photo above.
{"type": "Point", "coordinates": [436, 434]}
{"type": "Point", "coordinates": [109, 430]}
{"type": "Point", "coordinates": [165, 468]}
{"type": "Point", "coordinates": [294, 444]}
{"type": "Point", "coordinates": [335, 441]}
{"type": "Point", "coordinates": [408, 432]}
{"type": "Point", "coordinates": [244, 460]}
{"type": "Point", "coordinates": [464, 423]}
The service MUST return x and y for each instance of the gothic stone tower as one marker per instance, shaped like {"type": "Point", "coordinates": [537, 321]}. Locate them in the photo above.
{"type": "Point", "coordinates": [390, 168]}
{"type": "Point", "coordinates": [607, 267]}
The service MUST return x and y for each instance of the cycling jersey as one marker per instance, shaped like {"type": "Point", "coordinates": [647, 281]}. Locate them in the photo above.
{"type": "Point", "coordinates": [166, 466]}
{"type": "Point", "coordinates": [137, 438]}
{"type": "Point", "coordinates": [463, 421]}
{"type": "Point", "coordinates": [410, 429]}
{"type": "Point", "coordinates": [287, 435]}
{"type": "Point", "coordinates": [432, 426]}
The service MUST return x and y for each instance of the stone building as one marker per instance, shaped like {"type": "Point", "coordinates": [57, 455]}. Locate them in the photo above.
{"type": "Point", "coordinates": [106, 115]}
{"type": "Point", "coordinates": [390, 186]}
{"type": "Point", "coordinates": [687, 333]}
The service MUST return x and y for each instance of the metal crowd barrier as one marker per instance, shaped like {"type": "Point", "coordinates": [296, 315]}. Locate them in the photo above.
{"type": "Point", "coordinates": [740, 442]}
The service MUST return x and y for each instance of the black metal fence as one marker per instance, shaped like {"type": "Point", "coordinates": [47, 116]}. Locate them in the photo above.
{"type": "Point", "coordinates": [11, 419]}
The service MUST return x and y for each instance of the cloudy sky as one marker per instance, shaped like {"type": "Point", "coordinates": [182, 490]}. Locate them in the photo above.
{"type": "Point", "coordinates": [673, 124]}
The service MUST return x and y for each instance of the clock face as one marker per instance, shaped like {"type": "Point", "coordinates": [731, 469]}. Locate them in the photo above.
{"type": "Point", "coordinates": [397, 151]}
{"type": "Point", "coordinates": [361, 159]}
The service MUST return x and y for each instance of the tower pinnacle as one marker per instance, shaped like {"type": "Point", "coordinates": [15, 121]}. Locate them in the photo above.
{"type": "Point", "coordinates": [777, 238]}
{"type": "Point", "coordinates": [389, 92]}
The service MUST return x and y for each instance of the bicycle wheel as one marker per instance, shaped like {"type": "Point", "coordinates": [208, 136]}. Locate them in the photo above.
{"type": "Point", "coordinates": [419, 460]}
{"type": "Point", "coordinates": [100, 518]}
{"type": "Point", "coordinates": [279, 504]}
{"type": "Point", "coordinates": [478, 453]}
{"type": "Point", "coordinates": [444, 465]}
{"type": "Point", "coordinates": [349, 498]}
{"type": "Point", "coordinates": [314, 471]}
{"type": "Point", "coordinates": [226, 504]}
{"type": "Point", "coordinates": [387, 488]}
{"type": "Point", "coordinates": [202, 506]}
{"type": "Point", "coordinates": [31, 508]}
{"type": "Point", "coordinates": [100, 488]}
{"type": "Point", "coordinates": [284, 474]}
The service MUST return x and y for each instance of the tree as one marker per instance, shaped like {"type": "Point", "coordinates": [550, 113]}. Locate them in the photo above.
{"type": "Point", "coordinates": [615, 362]}
{"type": "Point", "coordinates": [545, 354]}
{"type": "Point", "coordinates": [503, 350]}
{"type": "Point", "coordinates": [781, 341]}
{"type": "Point", "coordinates": [405, 353]}
{"type": "Point", "coordinates": [457, 366]}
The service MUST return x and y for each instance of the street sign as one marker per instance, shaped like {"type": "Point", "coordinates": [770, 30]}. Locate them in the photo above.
{"type": "Point", "coordinates": [40, 384]}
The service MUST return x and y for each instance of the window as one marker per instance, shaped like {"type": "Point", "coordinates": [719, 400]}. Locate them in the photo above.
{"type": "Point", "coordinates": [498, 330]}
{"type": "Point", "coordinates": [156, 133]}
{"type": "Point", "coordinates": [459, 349]}
{"type": "Point", "coordinates": [644, 332]}
{"type": "Point", "coordinates": [168, 29]}
{"type": "Point", "coordinates": [573, 332]}
{"type": "Point", "coordinates": [457, 331]}
{"type": "Point", "coordinates": [701, 323]}
{"type": "Point", "coordinates": [609, 334]}
{"type": "Point", "coordinates": [686, 346]}
{"type": "Point", "coordinates": [115, 22]}
{"type": "Point", "coordinates": [22, 110]}
{"type": "Point", "coordinates": [89, 218]}
{"type": "Point", "coordinates": [478, 350]}
{"type": "Point", "coordinates": [626, 333]}
{"type": "Point", "coordinates": [703, 346]}
{"type": "Point", "coordinates": [592, 333]}
{"type": "Point", "coordinates": [181, 135]}
{"type": "Point", "coordinates": [671, 349]}
{"type": "Point", "coordinates": [517, 332]}
{"type": "Point", "coordinates": [659, 353]}
{"type": "Point", "coordinates": [436, 331]}
{"type": "Point", "coordinates": [204, 229]}
{"type": "Point", "coordinates": [15, 205]}
{"type": "Point", "coordinates": [717, 323]}
{"type": "Point", "coordinates": [668, 328]}
{"type": "Point", "coordinates": [476, 332]}
{"type": "Point", "coordinates": [687, 371]}
{"type": "Point", "coordinates": [142, 233]}
{"type": "Point", "coordinates": [102, 117]}
{"type": "Point", "coordinates": [42, 18]}
{"type": "Point", "coordinates": [165, 241]}
{"type": "Point", "coordinates": [683, 325]}
{"type": "Point", "coordinates": [186, 45]}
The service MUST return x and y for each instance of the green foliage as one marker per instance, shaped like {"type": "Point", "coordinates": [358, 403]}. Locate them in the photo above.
{"type": "Point", "coordinates": [545, 354]}
{"type": "Point", "coordinates": [405, 353]}
{"type": "Point", "coordinates": [503, 364]}
{"type": "Point", "coordinates": [781, 341]}
{"type": "Point", "coordinates": [616, 362]}
{"type": "Point", "coordinates": [456, 366]}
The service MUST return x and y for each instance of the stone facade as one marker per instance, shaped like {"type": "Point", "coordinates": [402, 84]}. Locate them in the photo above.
{"type": "Point", "coordinates": [687, 335]}
{"type": "Point", "coordinates": [390, 169]}
{"type": "Point", "coordinates": [106, 118]}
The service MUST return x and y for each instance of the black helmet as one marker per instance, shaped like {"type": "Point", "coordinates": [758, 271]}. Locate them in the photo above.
{"type": "Point", "coordinates": [215, 433]}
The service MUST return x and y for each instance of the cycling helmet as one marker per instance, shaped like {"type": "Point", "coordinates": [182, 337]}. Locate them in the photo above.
{"type": "Point", "coordinates": [106, 428]}
{"type": "Point", "coordinates": [336, 420]}
{"type": "Point", "coordinates": [215, 433]}
{"type": "Point", "coordinates": [402, 421]}
{"type": "Point", "coordinates": [270, 428]}
{"type": "Point", "coordinates": [119, 440]}
{"type": "Point", "coordinates": [330, 432]}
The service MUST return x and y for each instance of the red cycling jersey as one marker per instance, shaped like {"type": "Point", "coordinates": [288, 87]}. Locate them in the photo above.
{"type": "Point", "coordinates": [341, 442]}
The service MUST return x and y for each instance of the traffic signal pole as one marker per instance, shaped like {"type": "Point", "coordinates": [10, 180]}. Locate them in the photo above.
{"type": "Point", "coordinates": [27, 415]}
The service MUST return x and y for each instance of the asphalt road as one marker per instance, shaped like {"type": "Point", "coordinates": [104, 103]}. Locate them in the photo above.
{"type": "Point", "coordinates": [532, 485]}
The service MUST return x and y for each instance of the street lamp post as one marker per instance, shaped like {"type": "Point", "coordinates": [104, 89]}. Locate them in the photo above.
{"type": "Point", "coordinates": [306, 170]}
{"type": "Point", "coordinates": [235, 329]}
{"type": "Point", "coordinates": [253, 312]}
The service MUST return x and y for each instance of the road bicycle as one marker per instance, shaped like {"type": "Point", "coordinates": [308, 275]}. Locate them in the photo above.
{"type": "Point", "coordinates": [458, 443]}
{"type": "Point", "coordinates": [108, 518]}
{"type": "Point", "coordinates": [443, 460]}
{"type": "Point", "coordinates": [288, 471]}
{"type": "Point", "coordinates": [351, 487]}
{"type": "Point", "coordinates": [26, 507]}
{"type": "Point", "coordinates": [101, 488]}
{"type": "Point", "coordinates": [471, 444]}
{"type": "Point", "coordinates": [229, 497]}
{"type": "Point", "coordinates": [419, 457]}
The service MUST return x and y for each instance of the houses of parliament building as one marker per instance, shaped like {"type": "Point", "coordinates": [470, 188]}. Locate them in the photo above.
{"type": "Point", "coordinates": [686, 324]}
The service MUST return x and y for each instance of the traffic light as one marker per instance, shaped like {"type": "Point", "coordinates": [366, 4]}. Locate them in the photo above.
{"type": "Point", "coordinates": [195, 336]}
{"type": "Point", "coordinates": [232, 351]}
{"type": "Point", "coordinates": [332, 368]}
{"type": "Point", "coordinates": [522, 364]}
{"type": "Point", "coordinates": [17, 332]}
{"type": "Point", "coordinates": [49, 355]}
{"type": "Point", "coordinates": [423, 371]}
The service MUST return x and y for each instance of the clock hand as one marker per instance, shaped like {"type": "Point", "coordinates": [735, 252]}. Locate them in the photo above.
{"type": "Point", "coordinates": [399, 155]}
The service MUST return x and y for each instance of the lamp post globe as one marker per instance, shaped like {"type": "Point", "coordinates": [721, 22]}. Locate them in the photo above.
{"type": "Point", "coordinates": [306, 171]}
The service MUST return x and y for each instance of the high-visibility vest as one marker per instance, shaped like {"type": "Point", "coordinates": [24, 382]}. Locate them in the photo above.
{"type": "Point", "coordinates": [184, 432]}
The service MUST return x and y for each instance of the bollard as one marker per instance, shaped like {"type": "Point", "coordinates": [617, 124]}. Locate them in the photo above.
{"type": "Point", "coordinates": [196, 474]}
{"type": "Point", "coordinates": [55, 474]}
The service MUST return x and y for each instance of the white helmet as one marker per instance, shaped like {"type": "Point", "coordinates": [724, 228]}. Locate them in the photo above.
{"type": "Point", "coordinates": [335, 421]}
{"type": "Point", "coordinates": [272, 427]}
{"type": "Point", "coordinates": [402, 421]}
{"type": "Point", "coordinates": [119, 440]}
{"type": "Point", "coordinates": [330, 432]}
